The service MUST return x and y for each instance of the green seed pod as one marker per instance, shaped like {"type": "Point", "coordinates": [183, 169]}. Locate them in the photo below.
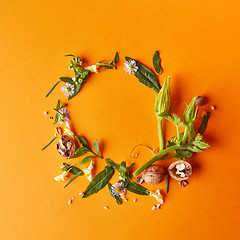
{"type": "Point", "coordinates": [162, 103]}
{"type": "Point", "coordinates": [190, 113]}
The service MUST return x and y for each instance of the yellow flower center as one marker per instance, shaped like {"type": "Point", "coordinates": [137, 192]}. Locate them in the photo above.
{"type": "Point", "coordinates": [118, 189]}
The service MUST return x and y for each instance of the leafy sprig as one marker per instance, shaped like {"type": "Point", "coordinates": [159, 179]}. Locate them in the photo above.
{"type": "Point", "coordinates": [146, 75]}
{"type": "Point", "coordinates": [81, 73]}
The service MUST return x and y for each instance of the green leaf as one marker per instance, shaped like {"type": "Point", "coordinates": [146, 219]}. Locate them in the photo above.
{"type": "Point", "coordinates": [76, 90]}
{"type": "Point", "coordinates": [118, 199]}
{"type": "Point", "coordinates": [123, 166]}
{"type": "Point", "coordinates": [146, 76]}
{"type": "Point", "coordinates": [167, 184]}
{"type": "Point", "coordinates": [99, 181]}
{"type": "Point", "coordinates": [75, 176]}
{"type": "Point", "coordinates": [85, 160]}
{"type": "Point", "coordinates": [73, 170]}
{"type": "Point", "coordinates": [69, 55]}
{"type": "Point", "coordinates": [58, 105]}
{"type": "Point", "coordinates": [96, 146]}
{"type": "Point", "coordinates": [112, 164]}
{"type": "Point", "coordinates": [83, 142]}
{"type": "Point", "coordinates": [204, 123]}
{"type": "Point", "coordinates": [52, 88]}
{"type": "Point", "coordinates": [79, 152]}
{"type": "Point", "coordinates": [56, 119]}
{"type": "Point", "coordinates": [136, 188]}
{"type": "Point", "coordinates": [195, 149]}
{"type": "Point", "coordinates": [48, 143]}
{"type": "Point", "coordinates": [116, 58]}
{"type": "Point", "coordinates": [69, 80]}
{"type": "Point", "coordinates": [183, 154]}
{"type": "Point", "coordinates": [157, 63]}
{"type": "Point", "coordinates": [203, 145]}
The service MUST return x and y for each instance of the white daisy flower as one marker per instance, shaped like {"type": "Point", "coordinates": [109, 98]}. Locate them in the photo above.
{"type": "Point", "coordinates": [68, 89]}
{"type": "Point", "coordinates": [131, 67]}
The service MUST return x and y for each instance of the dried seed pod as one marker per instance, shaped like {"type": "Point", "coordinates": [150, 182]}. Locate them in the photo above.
{"type": "Point", "coordinates": [183, 183]}
{"type": "Point", "coordinates": [200, 101]}
{"type": "Point", "coordinates": [154, 174]}
{"type": "Point", "coordinates": [66, 146]}
{"type": "Point", "coordinates": [177, 171]}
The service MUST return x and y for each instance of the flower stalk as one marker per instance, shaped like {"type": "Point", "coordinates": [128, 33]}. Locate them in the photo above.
{"type": "Point", "coordinates": [159, 156]}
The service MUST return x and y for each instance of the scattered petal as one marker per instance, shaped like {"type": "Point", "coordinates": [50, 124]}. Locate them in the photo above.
{"type": "Point", "coordinates": [106, 207]}
{"type": "Point", "coordinates": [45, 113]}
{"type": "Point", "coordinates": [70, 201]}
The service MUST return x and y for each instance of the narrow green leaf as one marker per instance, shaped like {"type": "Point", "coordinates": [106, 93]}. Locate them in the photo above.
{"type": "Point", "coordinates": [99, 181]}
{"type": "Point", "coordinates": [136, 188]}
{"type": "Point", "coordinates": [116, 58]}
{"type": "Point", "coordinates": [76, 90]}
{"type": "Point", "coordinates": [83, 141]}
{"type": "Point", "coordinates": [69, 80]}
{"type": "Point", "coordinates": [118, 199]}
{"type": "Point", "coordinates": [123, 166]}
{"type": "Point", "coordinates": [157, 63]}
{"type": "Point", "coordinates": [96, 146]}
{"type": "Point", "coordinates": [167, 184]}
{"type": "Point", "coordinates": [48, 144]}
{"type": "Point", "coordinates": [73, 170]}
{"type": "Point", "coordinates": [69, 55]}
{"type": "Point", "coordinates": [204, 123]}
{"type": "Point", "coordinates": [146, 76]}
{"type": "Point", "coordinates": [56, 119]}
{"type": "Point", "coordinates": [85, 160]}
{"type": "Point", "coordinates": [79, 152]}
{"type": "Point", "coordinates": [58, 105]}
{"type": "Point", "coordinates": [112, 164]}
{"type": "Point", "coordinates": [52, 88]}
{"type": "Point", "coordinates": [75, 176]}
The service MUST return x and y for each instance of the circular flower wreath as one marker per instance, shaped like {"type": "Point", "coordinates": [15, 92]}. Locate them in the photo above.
{"type": "Point", "coordinates": [181, 147]}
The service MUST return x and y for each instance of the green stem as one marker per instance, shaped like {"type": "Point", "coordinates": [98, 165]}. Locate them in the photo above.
{"type": "Point", "coordinates": [160, 133]}
{"type": "Point", "coordinates": [154, 159]}
{"type": "Point", "coordinates": [178, 133]}
{"type": "Point", "coordinates": [185, 135]}
{"type": "Point", "coordinates": [95, 154]}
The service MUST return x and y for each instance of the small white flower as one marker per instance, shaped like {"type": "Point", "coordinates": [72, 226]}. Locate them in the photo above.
{"type": "Point", "coordinates": [67, 130]}
{"type": "Point", "coordinates": [61, 177]}
{"type": "Point", "coordinates": [88, 171]}
{"type": "Point", "coordinates": [131, 67]}
{"type": "Point", "coordinates": [92, 68]}
{"type": "Point", "coordinates": [157, 195]}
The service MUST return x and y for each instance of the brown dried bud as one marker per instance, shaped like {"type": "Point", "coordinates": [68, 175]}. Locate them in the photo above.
{"type": "Point", "coordinates": [139, 180]}
{"type": "Point", "coordinates": [180, 170]}
{"type": "Point", "coordinates": [154, 174]}
{"type": "Point", "coordinates": [183, 183]}
{"type": "Point", "coordinates": [66, 146]}
{"type": "Point", "coordinates": [200, 101]}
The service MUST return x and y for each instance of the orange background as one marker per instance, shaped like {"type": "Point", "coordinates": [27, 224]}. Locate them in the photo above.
{"type": "Point", "coordinates": [199, 45]}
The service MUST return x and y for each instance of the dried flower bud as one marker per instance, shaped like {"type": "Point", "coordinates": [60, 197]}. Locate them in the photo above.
{"type": "Point", "coordinates": [139, 180]}
{"type": "Point", "coordinates": [183, 183]}
{"type": "Point", "coordinates": [154, 174]}
{"type": "Point", "coordinates": [190, 113]}
{"type": "Point", "coordinates": [66, 146]}
{"type": "Point", "coordinates": [162, 103]}
{"type": "Point", "coordinates": [200, 101]}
